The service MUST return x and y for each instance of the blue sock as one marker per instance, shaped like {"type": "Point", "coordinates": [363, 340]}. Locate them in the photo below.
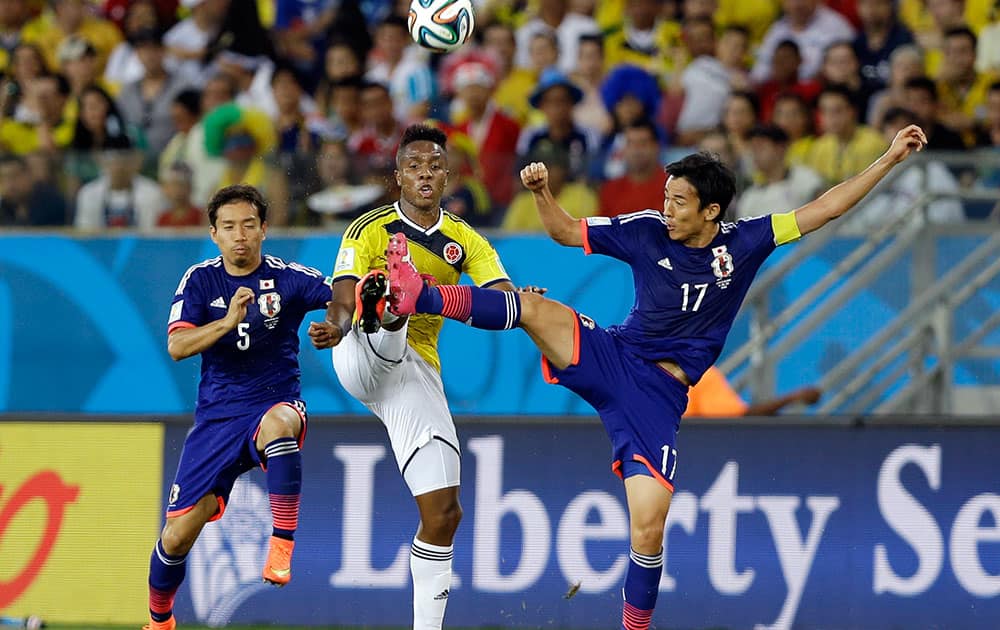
{"type": "Point", "coordinates": [284, 485]}
{"type": "Point", "coordinates": [642, 584]}
{"type": "Point", "coordinates": [166, 573]}
{"type": "Point", "coordinates": [487, 309]}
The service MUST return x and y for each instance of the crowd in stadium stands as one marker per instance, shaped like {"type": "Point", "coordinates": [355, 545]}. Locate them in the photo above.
{"type": "Point", "coordinates": [130, 113]}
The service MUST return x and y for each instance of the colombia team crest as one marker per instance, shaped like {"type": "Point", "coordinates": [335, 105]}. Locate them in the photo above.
{"type": "Point", "coordinates": [452, 252]}
{"type": "Point", "coordinates": [722, 266]}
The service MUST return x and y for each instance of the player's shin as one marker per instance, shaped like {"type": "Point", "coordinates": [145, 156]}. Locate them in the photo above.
{"type": "Point", "coordinates": [480, 308]}
{"type": "Point", "coordinates": [284, 486]}
{"type": "Point", "coordinates": [166, 573]}
{"type": "Point", "coordinates": [642, 583]}
{"type": "Point", "coordinates": [430, 566]}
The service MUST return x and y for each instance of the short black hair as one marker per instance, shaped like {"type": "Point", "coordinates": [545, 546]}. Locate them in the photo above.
{"type": "Point", "coordinates": [645, 123]}
{"type": "Point", "coordinates": [737, 28]}
{"type": "Point", "coordinates": [839, 89]}
{"type": "Point", "coordinates": [283, 67]}
{"type": "Point", "coordinates": [367, 84]}
{"type": "Point", "coordinates": [593, 38]}
{"type": "Point", "coordinates": [395, 20]}
{"type": "Point", "coordinates": [773, 133]}
{"type": "Point", "coordinates": [896, 114]}
{"type": "Point", "coordinates": [961, 31]}
{"type": "Point", "coordinates": [750, 97]}
{"type": "Point", "coordinates": [923, 83]}
{"type": "Point", "coordinates": [234, 194]}
{"type": "Point", "coordinates": [13, 158]}
{"type": "Point", "coordinates": [790, 43]}
{"type": "Point", "coordinates": [419, 132]}
{"type": "Point", "coordinates": [190, 99]}
{"type": "Point", "coordinates": [712, 179]}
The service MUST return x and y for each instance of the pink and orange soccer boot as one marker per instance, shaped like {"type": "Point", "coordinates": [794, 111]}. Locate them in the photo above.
{"type": "Point", "coordinates": [405, 283]}
{"type": "Point", "coordinates": [278, 567]}
{"type": "Point", "coordinates": [169, 624]}
{"type": "Point", "coordinates": [370, 294]}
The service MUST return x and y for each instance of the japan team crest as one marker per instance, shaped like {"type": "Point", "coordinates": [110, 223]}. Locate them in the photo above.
{"type": "Point", "coordinates": [270, 304]}
{"type": "Point", "coordinates": [722, 266]}
{"type": "Point", "coordinates": [452, 252]}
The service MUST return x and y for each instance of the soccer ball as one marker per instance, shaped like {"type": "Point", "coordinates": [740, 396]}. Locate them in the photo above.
{"type": "Point", "coordinates": [441, 25]}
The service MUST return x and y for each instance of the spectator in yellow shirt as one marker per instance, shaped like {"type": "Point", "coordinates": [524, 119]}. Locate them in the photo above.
{"type": "Point", "coordinates": [645, 39]}
{"type": "Point", "coordinates": [513, 89]}
{"type": "Point", "coordinates": [71, 17]}
{"type": "Point", "coordinates": [578, 199]}
{"type": "Point", "coordinates": [846, 147]}
{"type": "Point", "coordinates": [792, 114]}
{"type": "Point", "coordinates": [961, 90]}
{"type": "Point", "coordinates": [47, 123]}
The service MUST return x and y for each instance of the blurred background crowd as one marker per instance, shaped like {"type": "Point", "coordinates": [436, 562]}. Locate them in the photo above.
{"type": "Point", "coordinates": [131, 113]}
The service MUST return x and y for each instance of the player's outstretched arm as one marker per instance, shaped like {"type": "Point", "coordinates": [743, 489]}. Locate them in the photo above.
{"type": "Point", "coordinates": [339, 315]}
{"type": "Point", "coordinates": [842, 197]}
{"type": "Point", "coordinates": [187, 342]}
{"type": "Point", "coordinates": [563, 228]}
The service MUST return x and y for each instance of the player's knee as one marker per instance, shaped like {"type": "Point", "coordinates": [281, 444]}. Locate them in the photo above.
{"type": "Point", "coordinates": [443, 522]}
{"type": "Point", "coordinates": [647, 537]}
{"type": "Point", "coordinates": [176, 539]}
{"type": "Point", "coordinates": [281, 422]}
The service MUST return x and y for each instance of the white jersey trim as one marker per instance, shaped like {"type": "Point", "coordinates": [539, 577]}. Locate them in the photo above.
{"type": "Point", "coordinates": [211, 262]}
{"type": "Point", "coordinates": [643, 214]}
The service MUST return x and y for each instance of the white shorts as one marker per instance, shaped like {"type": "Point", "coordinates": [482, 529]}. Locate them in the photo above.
{"type": "Point", "coordinates": [407, 395]}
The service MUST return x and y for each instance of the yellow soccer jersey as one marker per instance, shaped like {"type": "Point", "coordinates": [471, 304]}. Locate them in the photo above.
{"type": "Point", "coordinates": [445, 251]}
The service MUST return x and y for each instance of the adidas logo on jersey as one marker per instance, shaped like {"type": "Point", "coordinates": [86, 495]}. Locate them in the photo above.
{"type": "Point", "coordinates": [442, 595]}
{"type": "Point", "coordinates": [218, 303]}
{"type": "Point", "coordinates": [665, 263]}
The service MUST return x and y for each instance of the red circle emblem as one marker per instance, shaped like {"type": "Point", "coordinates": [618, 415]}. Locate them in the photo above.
{"type": "Point", "coordinates": [452, 252]}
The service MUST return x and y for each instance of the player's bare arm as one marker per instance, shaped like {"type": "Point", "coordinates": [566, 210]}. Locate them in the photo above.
{"type": "Point", "coordinates": [339, 316]}
{"type": "Point", "coordinates": [842, 197]}
{"type": "Point", "coordinates": [563, 228]}
{"type": "Point", "coordinates": [187, 342]}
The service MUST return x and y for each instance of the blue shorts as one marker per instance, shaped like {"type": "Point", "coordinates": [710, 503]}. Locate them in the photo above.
{"type": "Point", "coordinates": [215, 453]}
{"type": "Point", "coordinates": [639, 402]}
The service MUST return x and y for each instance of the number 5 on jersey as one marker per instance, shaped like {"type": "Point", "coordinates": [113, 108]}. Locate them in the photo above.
{"type": "Point", "coordinates": [243, 330]}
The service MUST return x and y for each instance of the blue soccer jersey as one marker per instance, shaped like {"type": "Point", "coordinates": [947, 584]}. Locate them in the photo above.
{"type": "Point", "coordinates": [257, 362]}
{"type": "Point", "coordinates": [686, 298]}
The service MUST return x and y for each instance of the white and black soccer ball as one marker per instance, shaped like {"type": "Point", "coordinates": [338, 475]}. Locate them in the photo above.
{"type": "Point", "coordinates": [441, 25]}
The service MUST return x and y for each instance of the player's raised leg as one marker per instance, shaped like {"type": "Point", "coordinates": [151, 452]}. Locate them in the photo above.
{"type": "Point", "coordinates": [168, 562]}
{"type": "Point", "coordinates": [278, 444]}
{"type": "Point", "coordinates": [550, 325]}
{"type": "Point", "coordinates": [648, 503]}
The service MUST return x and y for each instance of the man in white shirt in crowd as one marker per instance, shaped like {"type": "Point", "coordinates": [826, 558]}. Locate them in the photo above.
{"type": "Point", "coordinates": [120, 197]}
{"type": "Point", "coordinates": [188, 40]}
{"type": "Point", "coordinates": [705, 83]}
{"type": "Point", "coordinates": [811, 25]}
{"type": "Point", "coordinates": [777, 187]}
{"type": "Point", "coordinates": [554, 15]}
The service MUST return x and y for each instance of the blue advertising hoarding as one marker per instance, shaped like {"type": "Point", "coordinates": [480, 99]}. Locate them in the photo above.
{"type": "Point", "coordinates": [771, 527]}
{"type": "Point", "coordinates": [90, 314]}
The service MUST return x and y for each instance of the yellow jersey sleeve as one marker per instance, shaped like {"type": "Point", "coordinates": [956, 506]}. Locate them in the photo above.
{"type": "Point", "coordinates": [357, 252]}
{"type": "Point", "coordinates": [482, 263]}
{"type": "Point", "coordinates": [786, 228]}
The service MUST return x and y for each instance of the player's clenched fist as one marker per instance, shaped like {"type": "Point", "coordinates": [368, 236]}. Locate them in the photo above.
{"type": "Point", "coordinates": [535, 176]}
{"type": "Point", "coordinates": [238, 306]}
